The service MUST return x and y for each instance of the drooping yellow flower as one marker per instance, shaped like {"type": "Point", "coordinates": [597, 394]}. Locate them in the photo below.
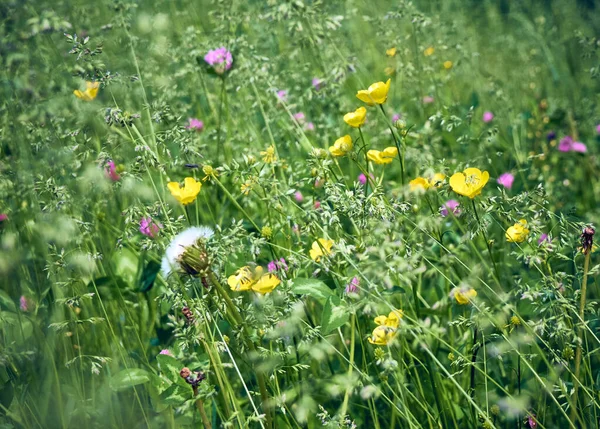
{"type": "Point", "coordinates": [319, 248]}
{"type": "Point", "coordinates": [382, 335]}
{"type": "Point", "coordinates": [448, 65]}
{"type": "Point", "coordinates": [518, 232]}
{"type": "Point", "coordinates": [91, 90]}
{"type": "Point", "coordinates": [390, 52]}
{"type": "Point", "coordinates": [392, 320]}
{"type": "Point", "coordinates": [357, 118]}
{"type": "Point", "coordinates": [382, 157]}
{"type": "Point", "coordinates": [419, 184]}
{"type": "Point", "coordinates": [463, 295]}
{"type": "Point", "coordinates": [429, 51]}
{"type": "Point", "coordinates": [469, 182]}
{"type": "Point", "coordinates": [245, 279]}
{"type": "Point", "coordinates": [376, 93]}
{"type": "Point", "coordinates": [269, 155]}
{"type": "Point", "coordinates": [341, 146]}
{"type": "Point", "coordinates": [241, 280]}
{"type": "Point", "coordinates": [186, 194]}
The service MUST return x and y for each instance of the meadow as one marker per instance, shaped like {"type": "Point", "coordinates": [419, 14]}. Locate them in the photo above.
{"type": "Point", "coordinates": [299, 214]}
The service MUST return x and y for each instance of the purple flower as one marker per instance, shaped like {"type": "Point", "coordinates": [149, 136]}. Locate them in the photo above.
{"type": "Point", "coordinates": [23, 303]}
{"type": "Point", "coordinates": [488, 117]}
{"type": "Point", "coordinates": [363, 179]}
{"type": "Point", "coordinates": [195, 124]}
{"type": "Point", "coordinates": [299, 117]}
{"type": "Point", "coordinates": [298, 196]}
{"type": "Point", "coordinates": [551, 135]}
{"type": "Point", "coordinates": [316, 82]}
{"type": "Point", "coordinates": [149, 228]}
{"type": "Point", "coordinates": [3, 217]}
{"type": "Point", "coordinates": [280, 265]}
{"type": "Point", "coordinates": [544, 238]}
{"type": "Point", "coordinates": [110, 170]}
{"type": "Point", "coordinates": [282, 95]}
{"type": "Point", "coordinates": [450, 206]}
{"type": "Point", "coordinates": [506, 180]}
{"type": "Point", "coordinates": [166, 352]}
{"type": "Point", "coordinates": [352, 287]}
{"type": "Point", "coordinates": [428, 99]}
{"type": "Point", "coordinates": [219, 59]}
{"type": "Point", "coordinates": [567, 144]}
{"type": "Point", "coordinates": [598, 128]}
{"type": "Point", "coordinates": [396, 117]}
{"type": "Point", "coordinates": [309, 126]}
{"type": "Point", "coordinates": [531, 421]}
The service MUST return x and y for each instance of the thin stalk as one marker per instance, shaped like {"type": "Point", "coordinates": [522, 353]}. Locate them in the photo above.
{"type": "Point", "coordinates": [200, 406]}
{"type": "Point", "coordinates": [398, 146]}
{"type": "Point", "coordinates": [487, 242]}
{"type": "Point", "coordinates": [350, 368]}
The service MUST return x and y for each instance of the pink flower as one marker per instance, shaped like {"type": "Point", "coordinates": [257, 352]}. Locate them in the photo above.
{"type": "Point", "coordinates": [579, 147]}
{"type": "Point", "coordinates": [282, 95]}
{"type": "Point", "coordinates": [544, 238]}
{"type": "Point", "coordinates": [299, 117]}
{"type": "Point", "coordinates": [318, 183]}
{"type": "Point", "coordinates": [298, 196]}
{"type": "Point", "coordinates": [598, 128]}
{"type": "Point", "coordinates": [23, 303]}
{"type": "Point", "coordinates": [166, 352]}
{"type": "Point", "coordinates": [317, 205]}
{"type": "Point", "coordinates": [531, 421]}
{"type": "Point", "coordinates": [362, 179]}
{"type": "Point", "coordinates": [220, 59]}
{"type": "Point", "coordinates": [396, 117]}
{"type": "Point", "coordinates": [488, 117]}
{"type": "Point", "coordinates": [110, 170]}
{"type": "Point", "coordinates": [428, 99]}
{"type": "Point", "coordinates": [352, 287]}
{"type": "Point", "coordinates": [149, 228]}
{"type": "Point", "coordinates": [450, 206]}
{"type": "Point", "coordinates": [316, 82]}
{"type": "Point", "coordinates": [280, 265]}
{"type": "Point", "coordinates": [567, 144]}
{"type": "Point", "coordinates": [309, 126]}
{"type": "Point", "coordinates": [195, 124]}
{"type": "Point", "coordinates": [506, 180]}
{"type": "Point", "coordinates": [3, 217]}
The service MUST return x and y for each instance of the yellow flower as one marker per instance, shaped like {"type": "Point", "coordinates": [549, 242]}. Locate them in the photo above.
{"type": "Point", "coordinates": [266, 283]}
{"type": "Point", "coordinates": [470, 182]}
{"type": "Point", "coordinates": [437, 180]}
{"type": "Point", "coordinates": [429, 51]}
{"type": "Point", "coordinates": [419, 184]}
{"type": "Point", "coordinates": [389, 71]}
{"type": "Point", "coordinates": [246, 187]}
{"type": "Point", "coordinates": [463, 295]}
{"type": "Point", "coordinates": [258, 281]}
{"type": "Point", "coordinates": [390, 52]}
{"type": "Point", "coordinates": [448, 65]}
{"type": "Point", "coordinates": [518, 232]}
{"type": "Point", "coordinates": [392, 320]}
{"type": "Point", "coordinates": [357, 118]}
{"type": "Point", "coordinates": [319, 248]}
{"type": "Point", "coordinates": [342, 146]}
{"type": "Point", "coordinates": [382, 157]}
{"type": "Point", "coordinates": [241, 280]}
{"type": "Point", "coordinates": [91, 90]}
{"type": "Point", "coordinates": [269, 155]}
{"type": "Point", "coordinates": [375, 94]}
{"type": "Point", "coordinates": [210, 172]}
{"type": "Point", "coordinates": [382, 335]}
{"type": "Point", "coordinates": [187, 194]}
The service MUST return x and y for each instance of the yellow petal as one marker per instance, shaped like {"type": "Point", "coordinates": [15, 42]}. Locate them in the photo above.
{"type": "Point", "coordinates": [266, 283]}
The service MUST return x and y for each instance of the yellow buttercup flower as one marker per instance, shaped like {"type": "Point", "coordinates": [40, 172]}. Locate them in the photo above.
{"type": "Point", "coordinates": [448, 65]}
{"type": "Point", "coordinates": [319, 248]}
{"type": "Point", "coordinates": [266, 283]}
{"type": "Point", "coordinates": [390, 52]}
{"type": "Point", "coordinates": [376, 93]}
{"type": "Point", "coordinates": [245, 279]}
{"type": "Point", "coordinates": [269, 155]}
{"type": "Point", "coordinates": [357, 118]}
{"type": "Point", "coordinates": [382, 157]}
{"type": "Point", "coordinates": [470, 182]}
{"type": "Point", "coordinates": [186, 194]}
{"type": "Point", "coordinates": [392, 320]}
{"type": "Point", "coordinates": [241, 280]}
{"type": "Point", "coordinates": [518, 232]}
{"type": "Point", "coordinates": [91, 90]}
{"type": "Point", "coordinates": [422, 184]}
{"type": "Point", "coordinates": [437, 180]}
{"type": "Point", "coordinates": [382, 335]}
{"type": "Point", "coordinates": [342, 146]}
{"type": "Point", "coordinates": [429, 51]}
{"type": "Point", "coordinates": [463, 295]}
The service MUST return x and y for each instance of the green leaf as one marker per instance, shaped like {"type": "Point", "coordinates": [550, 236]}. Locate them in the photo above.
{"type": "Point", "coordinates": [128, 378]}
{"type": "Point", "coordinates": [334, 315]}
{"type": "Point", "coordinates": [149, 275]}
{"type": "Point", "coordinates": [7, 302]}
{"type": "Point", "coordinates": [176, 395]}
{"type": "Point", "coordinates": [312, 287]}
{"type": "Point", "coordinates": [169, 367]}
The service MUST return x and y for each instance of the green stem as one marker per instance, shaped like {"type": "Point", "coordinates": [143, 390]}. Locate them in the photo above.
{"type": "Point", "coordinates": [350, 368]}
{"type": "Point", "coordinates": [487, 242]}
{"type": "Point", "coordinates": [397, 143]}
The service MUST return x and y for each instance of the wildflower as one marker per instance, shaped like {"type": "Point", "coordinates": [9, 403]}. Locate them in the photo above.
{"type": "Point", "coordinates": [280, 265]}
{"type": "Point", "coordinates": [166, 352]}
{"type": "Point", "coordinates": [299, 117]}
{"type": "Point", "coordinates": [567, 144]}
{"type": "Point", "coordinates": [186, 194]}
{"type": "Point", "coordinates": [352, 287]}
{"type": "Point", "coordinates": [266, 232]}
{"type": "Point", "coordinates": [598, 129]}
{"type": "Point", "coordinates": [463, 295]}
{"type": "Point", "coordinates": [319, 248]}
{"type": "Point", "coordinates": [382, 157]}
{"type": "Point", "coordinates": [246, 187]}
{"type": "Point", "coordinates": [418, 184]}
{"type": "Point", "coordinates": [448, 65]}
{"type": "Point", "coordinates": [450, 206]}
{"type": "Point", "coordinates": [209, 172]}
{"type": "Point", "coordinates": [149, 228]}
{"type": "Point", "coordinates": [390, 52]}
{"type": "Point", "coordinates": [518, 232]}
{"type": "Point", "coordinates": [187, 253]}
{"type": "Point", "coordinates": [392, 320]}
{"type": "Point", "coordinates": [91, 90]}
{"type": "Point", "coordinates": [515, 321]}
{"type": "Point", "coordinates": [309, 126]}
{"type": "Point", "coordinates": [110, 170]}
{"type": "Point", "coordinates": [488, 117]}
{"type": "Point", "coordinates": [341, 146]}
{"type": "Point", "coordinates": [282, 95]}
{"type": "Point", "coordinates": [269, 155]}
{"type": "Point", "coordinates": [219, 59]}
{"type": "Point", "coordinates": [382, 335]}
{"type": "Point", "coordinates": [544, 238]}
{"type": "Point", "coordinates": [357, 118]}
{"type": "Point", "coordinates": [298, 196]}
{"type": "Point", "coordinates": [195, 124]}
{"type": "Point", "coordinates": [469, 182]}
{"type": "Point", "coordinates": [317, 205]}
{"type": "Point", "coordinates": [376, 93]}
{"type": "Point", "coordinates": [532, 421]}
{"type": "Point", "coordinates": [428, 99]}
{"type": "Point", "coordinates": [245, 279]}
{"type": "Point", "coordinates": [429, 51]}
{"type": "Point", "coordinates": [316, 83]}
{"type": "Point", "coordinates": [587, 239]}
{"type": "Point", "coordinates": [362, 179]}
{"type": "Point", "coordinates": [506, 180]}
{"type": "Point", "coordinates": [396, 117]}
{"type": "Point", "coordinates": [23, 303]}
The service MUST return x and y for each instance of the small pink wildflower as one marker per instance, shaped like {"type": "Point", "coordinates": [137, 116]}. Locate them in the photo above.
{"type": "Point", "coordinates": [488, 117]}
{"type": "Point", "coordinates": [149, 228]}
{"type": "Point", "coordinates": [598, 128]}
{"type": "Point", "coordinates": [195, 124]}
{"type": "Point", "coordinates": [428, 99]}
{"type": "Point", "coordinates": [362, 179]}
{"type": "Point", "coordinates": [282, 95]}
{"type": "Point", "coordinates": [298, 196]}
{"type": "Point", "coordinates": [316, 82]}
{"type": "Point", "coordinates": [396, 117]}
{"type": "Point", "coordinates": [567, 144]}
{"type": "Point", "coordinates": [450, 206]}
{"type": "Point", "coordinates": [3, 217]}
{"type": "Point", "coordinates": [280, 265]}
{"type": "Point", "coordinates": [309, 126]}
{"type": "Point", "coordinates": [299, 117]}
{"type": "Point", "coordinates": [317, 205]}
{"type": "Point", "coordinates": [110, 170]}
{"type": "Point", "coordinates": [166, 352]}
{"type": "Point", "coordinates": [220, 59]}
{"type": "Point", "coordinates": [544, 238]}
{"type": "Point", "coordinates": [352, 287]}
{"type": "Point", "coordinates": [506, 180]}
{"type": "Point", "coordinates": [23, 303]}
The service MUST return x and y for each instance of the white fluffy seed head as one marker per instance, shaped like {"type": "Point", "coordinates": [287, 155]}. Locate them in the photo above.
{"type": "Point", "coordinates": [180, 242]}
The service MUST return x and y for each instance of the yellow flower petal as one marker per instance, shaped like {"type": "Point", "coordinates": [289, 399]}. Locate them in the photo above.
{"type": "Point", "coordinates": [357, 118]}
{"type": "Point", "coordinates": [266, 283]}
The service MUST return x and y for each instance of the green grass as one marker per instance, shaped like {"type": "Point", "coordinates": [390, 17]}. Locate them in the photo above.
{"type": "Point", "coordinates": [84, 312]}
